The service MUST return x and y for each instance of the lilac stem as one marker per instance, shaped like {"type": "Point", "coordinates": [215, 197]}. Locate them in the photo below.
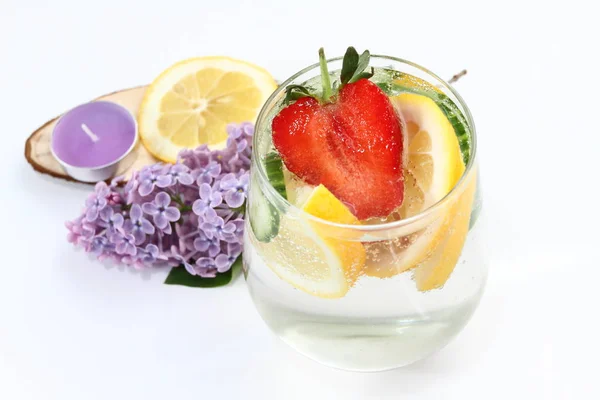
{"type": "Point", "coordinates": [160, 242]}
{"type": "Point", "coordinates": [190, 234]}
{"type": "Point", "coordinates": [189, 255]}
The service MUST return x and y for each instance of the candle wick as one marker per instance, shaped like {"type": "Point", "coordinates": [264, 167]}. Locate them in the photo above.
{"type": "Point", "coordinates": [89, 132]}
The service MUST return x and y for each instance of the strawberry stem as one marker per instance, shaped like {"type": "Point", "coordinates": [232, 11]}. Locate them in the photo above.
{"type": "Point", "coordinates": [353, 69]}
{"type": "Point", "coordinates": [325, 80]}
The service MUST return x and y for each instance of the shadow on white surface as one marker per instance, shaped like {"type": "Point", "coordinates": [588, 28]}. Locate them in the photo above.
{"type": "Point", "coordinates": [86, 267]}
{"type": "Point", "coordinates": [34, 182]}
{"type": "Point", "coordinates": [145, 274]}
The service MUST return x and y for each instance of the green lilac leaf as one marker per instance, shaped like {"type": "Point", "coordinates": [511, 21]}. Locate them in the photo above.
{"type": "Point", "coordinates": [236, 268]}
{"type": "Point", "coordinates": [180, 276]}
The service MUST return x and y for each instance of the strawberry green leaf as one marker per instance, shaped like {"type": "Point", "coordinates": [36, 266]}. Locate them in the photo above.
{"type": "Point", "coordinates": [299, 88]}
{"type": "Point", "coordinates": [349, 65]}
{"type": "Point", "coordinates": [363, 63]}
{"type": "Point", "coordinates": [365, 75]}
{"type": "Point", "coordinates": [295, 92]}
{"type": "Point", "coordinates": [325, 79]}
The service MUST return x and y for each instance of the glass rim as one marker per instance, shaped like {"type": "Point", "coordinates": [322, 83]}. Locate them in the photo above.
{"type": "Point", "coordinates": [274, 194]}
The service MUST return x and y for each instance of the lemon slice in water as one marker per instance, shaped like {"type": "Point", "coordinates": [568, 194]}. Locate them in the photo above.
{"type": "Point", "coordinates": [433, 166]}
{"type": "Point", "coordinates": [306, 253]}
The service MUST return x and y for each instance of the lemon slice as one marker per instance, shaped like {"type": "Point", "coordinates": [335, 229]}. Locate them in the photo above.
{"type": "Point", "coordinates": [435, 269]}
{"type": "Point", "coordinates": [433, 165]}
{"type": "Point", "coordinates": [192, 102]}
{"type": "Point", "coordinates": [297, 190]}
{"type": "Point", "coordinates": [307, 255]}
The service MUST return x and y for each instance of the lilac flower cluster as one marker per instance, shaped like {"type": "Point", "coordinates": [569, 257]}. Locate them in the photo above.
{"type": "Point", "coordinates": [189, 213]}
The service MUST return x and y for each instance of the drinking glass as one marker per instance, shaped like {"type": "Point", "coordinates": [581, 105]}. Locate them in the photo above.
{"type": "Point", "coordinates": [423, 276]}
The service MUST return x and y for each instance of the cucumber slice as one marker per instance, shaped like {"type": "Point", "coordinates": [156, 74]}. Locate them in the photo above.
{"type": "Point", "coordinates": [264, 217]}
{"type": "Point", "coordinates": [451, 110]}
{"type": "Point", "coordinates": [459, 123]}
{"type": "Point", "coordinates": [274, 168]}
{"type": "Point", "coordinates": [389, 84]}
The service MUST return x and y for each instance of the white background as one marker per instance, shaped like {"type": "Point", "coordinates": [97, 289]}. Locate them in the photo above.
{"type": "Point", "coordinates": [72, 329]}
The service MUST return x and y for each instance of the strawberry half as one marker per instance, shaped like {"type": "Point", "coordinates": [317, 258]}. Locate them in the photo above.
{"type": "Point", "coordinates": [351, 142]}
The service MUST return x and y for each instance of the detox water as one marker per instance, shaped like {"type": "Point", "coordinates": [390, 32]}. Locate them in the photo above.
{"type": "Point", "coordinates": [380, 324]}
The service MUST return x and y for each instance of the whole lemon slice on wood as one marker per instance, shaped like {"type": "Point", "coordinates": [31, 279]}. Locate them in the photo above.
{"type": "Point", "coordinates": [192, 102]}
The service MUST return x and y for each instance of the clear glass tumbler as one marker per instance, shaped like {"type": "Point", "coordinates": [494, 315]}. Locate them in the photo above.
{"type": "Point", "coordinates": [422, 279]}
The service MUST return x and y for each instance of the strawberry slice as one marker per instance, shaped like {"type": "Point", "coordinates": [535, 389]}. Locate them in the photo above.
{"type": "Point", "coordinates": [351, 143]}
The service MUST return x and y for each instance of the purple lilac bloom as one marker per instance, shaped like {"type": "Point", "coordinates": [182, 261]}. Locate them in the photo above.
{"type": "Point", "coordinates": [167, 230]}
{"type": "Point", "coordinates": [84, 234]}
{"type": "Point", "coordinates": [179, 173]}
{"type": "Point", "coordinates": [205, 267]}
{"type": "Point", "coordinates": [239, 132]}
{"type": "Point", "coordinates": [209, 173]}
{"type": "Point", "coordinates": [98, 245]}
{"type": "Point", "coordinates": [74, 227]}
{"type": "Point", "coordinates": [114, 199]}
{"type": "Point", "coordinates": [182, 260]}
{"type": "Point", "coordinates": [224, 261]}
{"type": "Point", "coordinates": [110, 220]}
{"type": "Point", "coordinates": [125, 244]}
{"type": "Point", "coordinates": [116, 181]}
{"type": "Point", "coordinates": [188, 267]}
{"type": "Point", "coordinates": [217, 228]}
{"type": "Point", "coordinates": [152, 176]}
{"type": "Point", "coordinates": [150, 254]}
{"type": "Point", "coordinates": [204, 244]}
{"type": "Point", "coordinates": [161, 210]}
{"type": "Point", "coordinates": [248, 129]}
{"type": "Point", "coordinates": [209, 199]}
{"type": "Point", "coordinates": [234, 132]}
{"type": "Point", "coordinates": [186, 154]}
{"type": "Point", "coordinates": [239, 228]}
{"type": "Point", "coordinates": [97, 201]}
{"type": "Point", "coordinates": [130, 191]}
{"type": "Point", "coordinates": [195, 222]}
{"type": "Point", "coordinates": [132, 184]}
{"type": "Point", "coordinates": [186, 233]}
{"type": "Point", "coordinates": [239, 162]}
{"type": "Point", "coordinates": [235, 189]}
{"type": "Point", "coordinates": [137, 225]}
{"type": "Point", "coordinates": [197, 158]}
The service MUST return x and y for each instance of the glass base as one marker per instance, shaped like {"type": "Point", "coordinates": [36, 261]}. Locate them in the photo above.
{"type": "Point", "coordinates": [366, 345]}
{"type": "Point", "coordinates": [380, 324]}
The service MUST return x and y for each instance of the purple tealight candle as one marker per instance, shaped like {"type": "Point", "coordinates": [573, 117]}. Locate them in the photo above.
{"type": "Point", "coordinates": [91, 139]}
